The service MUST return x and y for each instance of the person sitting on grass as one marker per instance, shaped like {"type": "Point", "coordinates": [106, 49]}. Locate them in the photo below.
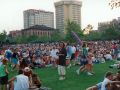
{"type": "Point", "coordinates": [23, 64]}
{"type": "Point", "coordinates": [39, 62]}
{"type": "Point", "coordinates": [28, 72]}
{"type": "Point", "coordinates": [108, 56]}
{"type": "Point", "coordinates": [36, 81]}
{"type": "Point", "coordinates": [116, 65]}
{"type": "Point", "coordinates": [19, 82]}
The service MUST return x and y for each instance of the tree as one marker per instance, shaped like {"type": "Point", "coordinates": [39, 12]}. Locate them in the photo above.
{"type": "Point", "coordinates": [72, 26]}
{"type": "Point", "coordinates": [107, 34]}
{"type": "Point", "coordinates": [3, 37]}
{"type": "Point", "coordinates": [44, 39]}
{"type": "Point", "coordinates": [32, 38]}
{"type": "Point", "coordinates": [56, 36]}
{"type": "Point", "coordinates": [111, 33]}
{"type": "Point", "coordinates": [114, 4]}
{"type": "Point", "coordinates": [87, 29]}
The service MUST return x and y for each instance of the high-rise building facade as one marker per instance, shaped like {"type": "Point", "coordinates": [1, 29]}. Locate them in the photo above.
{"type": "Point", "coordinates": [67, 10]}
{"type": "Point", "coordinates": [38, 17]}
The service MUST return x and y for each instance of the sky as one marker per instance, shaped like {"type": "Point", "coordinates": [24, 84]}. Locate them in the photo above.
{"type": "Point", "coordinates": [93, 11]}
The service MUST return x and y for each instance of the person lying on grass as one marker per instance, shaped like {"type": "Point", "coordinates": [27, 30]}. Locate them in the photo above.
{"type": "Point", "coordinates": [116, 65]}
{"type": "Point", "coordinates": [109, 83]}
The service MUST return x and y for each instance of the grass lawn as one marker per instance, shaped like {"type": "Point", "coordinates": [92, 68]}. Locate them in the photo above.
{"type": "Point", "coordinates": [73, 81]}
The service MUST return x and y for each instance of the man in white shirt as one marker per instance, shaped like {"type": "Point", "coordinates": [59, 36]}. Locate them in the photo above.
{"type": "Point", "coordinates": [21, 82]}
{"type": "Point", "coordinates": [108, 80]}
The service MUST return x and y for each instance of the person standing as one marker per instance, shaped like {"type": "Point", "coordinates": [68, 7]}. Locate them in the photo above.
{"type": "Point", "coordinates": [15, 60]}
{"type": "Point", "coordinates": [83, 59]}
{"type": "Point", "coordinates": [62, 61]}
{"type": "Point", "coordinates": [8, 54]}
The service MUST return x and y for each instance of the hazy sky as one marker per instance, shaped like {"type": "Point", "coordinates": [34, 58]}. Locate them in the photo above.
{"type": "Point", "coordinates": [93, 11]}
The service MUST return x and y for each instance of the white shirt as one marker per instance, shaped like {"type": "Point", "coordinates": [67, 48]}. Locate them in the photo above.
{"type": "Point", "coordinates": [73, 49]}
{"type": "Point", "coordinates": [53, 53]}
{"type": "Point", "coordinates": [108, 56]}
{"type": "Point", "coordinates": [104, 83]}
{"type": "Point", "coordinates": [21, 83]}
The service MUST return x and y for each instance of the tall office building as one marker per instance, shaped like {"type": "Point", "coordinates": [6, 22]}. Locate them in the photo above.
{"type": "Point", "coordinates": [67, 9]}
{"type": "Point", "coordinates": [34, 17]}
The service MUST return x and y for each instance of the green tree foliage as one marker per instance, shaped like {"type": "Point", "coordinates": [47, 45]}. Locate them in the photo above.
{"type": "Point", "coordinates": [114, 4]}
{"type": "Point", "coordinates": [44, 39]}
{"type": "Point", "coordinates": [92, 36]}
{"type": "Point", "coordinates": [36, 39]}
{"type": "Point", "coordinates": [110, 34]}
{"type": "Point", "coordinates": [72, 26]}
{"type": "Point", "coordinates": [107, 34]}
{"type": "Point", "coordinates": [3, 37]}
{"type": "Point", "coordinates": [32, 38]}
{"type": "Point", "coordinates": [56, 36]}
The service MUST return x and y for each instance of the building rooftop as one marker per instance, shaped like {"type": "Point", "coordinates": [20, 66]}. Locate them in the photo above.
{"type": "Point", "coordinates": [77, 2]}
{"type": "Point", "coordinates": [39, 27]}
{"type": "Point", "coordinates": [35, 10]}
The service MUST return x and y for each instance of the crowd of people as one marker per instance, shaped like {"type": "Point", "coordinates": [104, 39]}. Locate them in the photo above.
{"type": "Point", "coordinates": [25, 57]}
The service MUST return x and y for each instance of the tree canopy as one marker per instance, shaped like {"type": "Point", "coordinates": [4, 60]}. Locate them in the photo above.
{"type": "Point", "coordinates": [72, 26]}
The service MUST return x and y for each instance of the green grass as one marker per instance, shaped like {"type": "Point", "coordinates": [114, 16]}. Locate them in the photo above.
{"type": "Point", "coordinates": [73, 81]}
